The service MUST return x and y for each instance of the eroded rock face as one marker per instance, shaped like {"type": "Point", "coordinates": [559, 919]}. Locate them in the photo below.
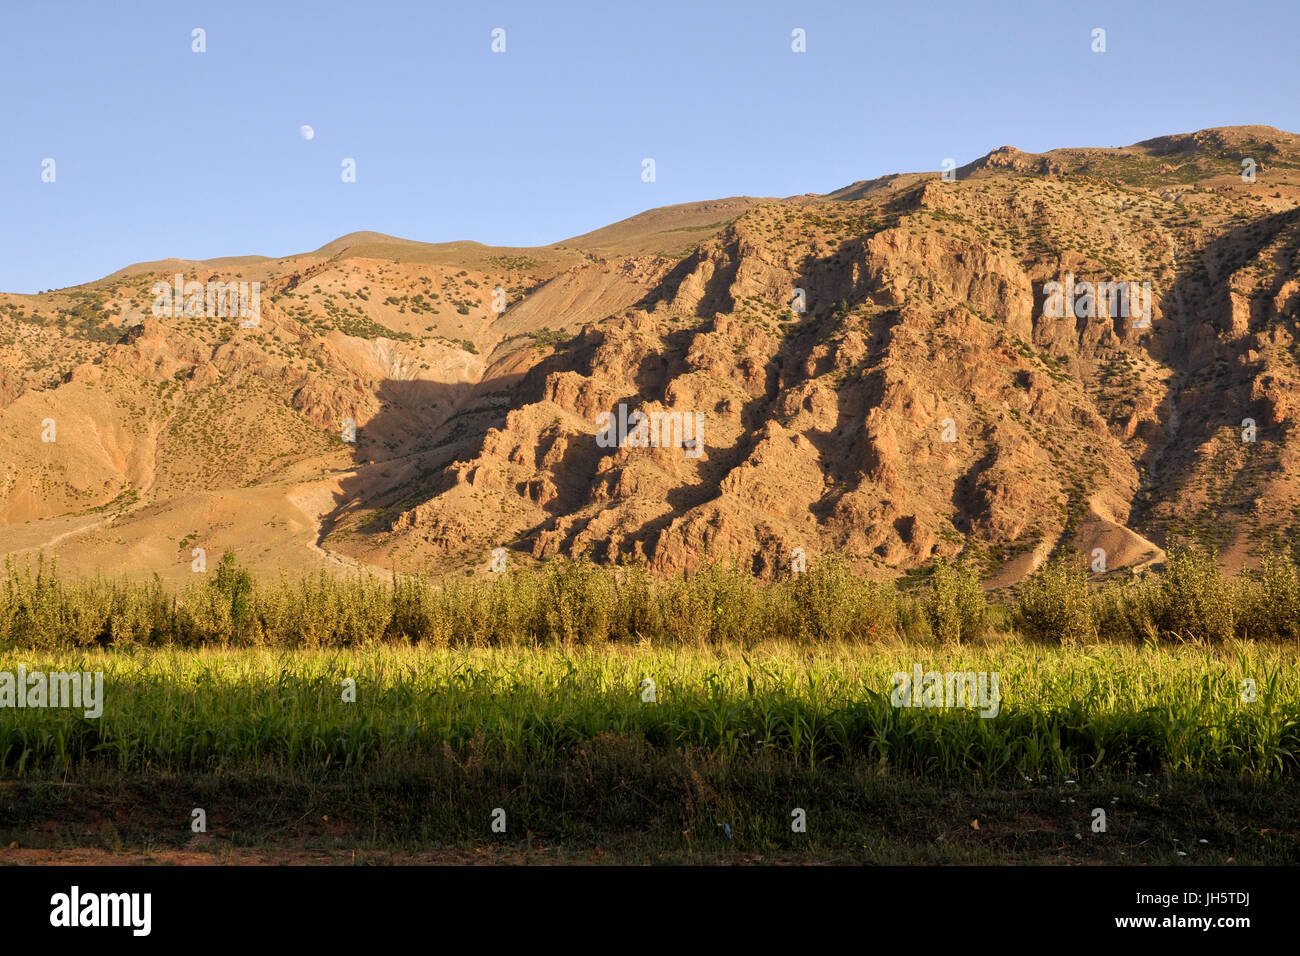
{"type": "Point", "coordinates": [923, 402]}
{"type": "Point", "coordinates": [873, 374]}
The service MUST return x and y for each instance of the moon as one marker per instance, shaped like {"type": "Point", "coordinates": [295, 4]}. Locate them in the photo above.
{"type": "Point", "coordinates": [307, 132]}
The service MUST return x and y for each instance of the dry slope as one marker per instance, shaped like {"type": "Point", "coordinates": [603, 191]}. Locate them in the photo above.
{"type": "Point", "coordinates": [925, 402]}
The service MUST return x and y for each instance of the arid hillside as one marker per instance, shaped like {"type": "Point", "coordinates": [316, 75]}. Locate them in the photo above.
{"type": "Point", "coordinates": [884, 372]}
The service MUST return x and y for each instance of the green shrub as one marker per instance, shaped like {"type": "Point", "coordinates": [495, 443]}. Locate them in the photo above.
{"type": "Point", "coordinates": [1268, 601]}
{"type": "Point", "coordinates": [573, 602]}
{"type": "Point", "coordinates": [1054, 605]}
{"type": "Point", "coordinates": [235, 585]}
{"type": "Point", "coordinates": [830, 603]}
{"type": "Point", "coordinates": [955, 605]}
{"type": "Point", "coordinates": [578, 601]}
{"type": "Point", "coordinates": [1193, 601]}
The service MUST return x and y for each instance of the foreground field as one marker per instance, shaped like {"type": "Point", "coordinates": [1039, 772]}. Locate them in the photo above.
{"type": "Point", "coordinates": [585, 766]}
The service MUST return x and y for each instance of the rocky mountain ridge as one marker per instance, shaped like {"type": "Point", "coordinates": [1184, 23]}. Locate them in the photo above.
{"type": "Point", "coordinates": [874, 370]}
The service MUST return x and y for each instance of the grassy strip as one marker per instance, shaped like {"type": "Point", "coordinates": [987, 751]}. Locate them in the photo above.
{"type": "Point", "coordinates": [1063, 713]}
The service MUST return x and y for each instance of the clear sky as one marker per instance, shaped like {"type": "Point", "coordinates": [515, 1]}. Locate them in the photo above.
{"type": "Point", "coordinates": [160, 151]}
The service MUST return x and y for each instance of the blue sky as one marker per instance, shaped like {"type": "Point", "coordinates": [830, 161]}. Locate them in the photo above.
{"type": "Point", "coordinates": [161, 151]}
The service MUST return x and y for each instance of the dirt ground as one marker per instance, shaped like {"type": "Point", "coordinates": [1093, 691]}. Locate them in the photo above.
{"type": "Point", "coordinates": [482, 856]}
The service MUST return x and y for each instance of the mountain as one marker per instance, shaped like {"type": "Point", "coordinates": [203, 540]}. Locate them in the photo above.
{"type": "Point", "coordinates": [929, 400]}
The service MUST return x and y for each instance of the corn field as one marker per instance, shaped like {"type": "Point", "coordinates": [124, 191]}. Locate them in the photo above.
{"type": "Point", "coordinates": [1062, 713]}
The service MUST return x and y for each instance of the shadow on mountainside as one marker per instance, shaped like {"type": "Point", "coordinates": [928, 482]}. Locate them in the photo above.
{"type": "Point", "coordinates": [1213, 383]}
